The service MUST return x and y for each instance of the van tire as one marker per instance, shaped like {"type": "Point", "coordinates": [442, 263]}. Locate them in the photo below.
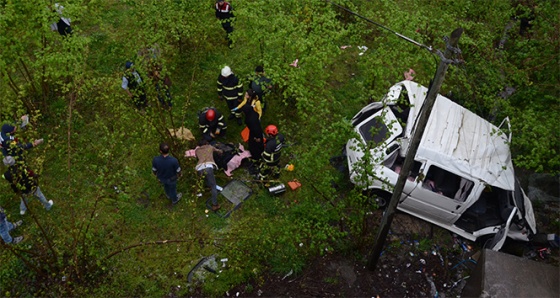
{"type": "Point", "coordinates": [378, 197]}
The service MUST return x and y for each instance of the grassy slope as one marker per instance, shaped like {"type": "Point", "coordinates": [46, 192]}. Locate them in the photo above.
{"type": "Point", "coordinates": [109, 144]}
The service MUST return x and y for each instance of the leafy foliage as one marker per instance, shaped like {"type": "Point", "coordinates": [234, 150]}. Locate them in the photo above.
{"type": "Point", "coordinates": [130, 242]}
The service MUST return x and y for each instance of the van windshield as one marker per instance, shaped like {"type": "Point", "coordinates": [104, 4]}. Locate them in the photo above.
{"type": "Point", "coordinates": [374, 130]}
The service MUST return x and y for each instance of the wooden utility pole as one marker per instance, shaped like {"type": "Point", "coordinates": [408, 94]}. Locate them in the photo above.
{"type": "Point", "coordinates": [451, 50]}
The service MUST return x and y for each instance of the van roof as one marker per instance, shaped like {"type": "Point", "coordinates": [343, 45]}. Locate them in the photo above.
{"type": "Point", "coordinates": [463, 142]}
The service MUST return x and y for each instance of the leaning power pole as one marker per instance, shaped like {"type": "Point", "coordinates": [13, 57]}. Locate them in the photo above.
{"type": "Point", "coordinates": [446, 59]}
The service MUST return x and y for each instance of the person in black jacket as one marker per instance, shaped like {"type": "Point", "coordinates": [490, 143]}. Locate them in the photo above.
{"type": "Point", "coordinates": [133, 84]}
{"type": "Point", "coordinates": [24, 182]}
{"type": "Point", "coordinates": [230, 88]}
{"type": "Point", "coordinates": [212, 124]}
{"type": "Point", "coordinates": [261, 84]}
{"type": "Point", "coordinates": [255, 132]}
{"type": "Point", "coordinates": [11, 146]}
{"type": "Point", "coordinates": [167, 170]}
{"type": "Point", "coordinates": [225, 15]}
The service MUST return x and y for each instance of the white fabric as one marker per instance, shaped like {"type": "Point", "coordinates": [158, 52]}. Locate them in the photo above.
{"type": "Point", "coordinates": [203, 166]}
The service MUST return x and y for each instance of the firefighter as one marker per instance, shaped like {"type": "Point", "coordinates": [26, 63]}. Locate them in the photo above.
{"type": "Point", "coordinates": [230, 88]}
{"type": "Point", "coordinates": [271, 154]}
{"type": "Point", "coordinates": [211, 123]}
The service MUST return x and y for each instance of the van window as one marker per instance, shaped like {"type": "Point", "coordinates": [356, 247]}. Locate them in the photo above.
{"type": "Point", "coordinates": [397, 165]}
{"type": "Point", "coordinates": [402, 108]}
{"type": "Point", "coordinates": [448, 184]}
{"type": "Point", "coordinates": [374, 130]}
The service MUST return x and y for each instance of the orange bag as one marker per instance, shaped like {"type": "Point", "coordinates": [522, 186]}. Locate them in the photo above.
{"type": "Point", "coordinates": [245, 134]}
{"type": "Point", "coordinates": [294, 184]}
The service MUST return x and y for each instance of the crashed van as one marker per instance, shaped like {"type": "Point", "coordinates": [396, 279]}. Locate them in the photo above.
{"type": "Point", "coordinates": [462, 178]}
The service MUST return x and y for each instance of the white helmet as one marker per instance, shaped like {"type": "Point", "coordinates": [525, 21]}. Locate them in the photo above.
{"type": "Point", "coordinates": [226, 71]}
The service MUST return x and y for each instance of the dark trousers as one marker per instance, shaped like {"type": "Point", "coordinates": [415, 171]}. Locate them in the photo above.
{"type": "Point", "coordinates": [208, 175]}
{"type": "Point", "coordinates": [63, 28]}
{"type": "Point", "coordinates": [164, 95]}
{"type": "Point", "coordinates": [229, 29]}
{"type": "Point", "coordinates": [140, 101]}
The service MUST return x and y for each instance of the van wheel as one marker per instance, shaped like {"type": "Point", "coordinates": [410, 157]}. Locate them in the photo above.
{"type": "Point", "coordinates": [379, 198]}
{"type": "Point", "coordinates": [381, 202]}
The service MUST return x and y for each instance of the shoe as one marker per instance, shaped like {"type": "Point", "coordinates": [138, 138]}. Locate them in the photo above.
{"type": "Point", "coordinates": [239, 121]}
{"type": "Point", "coordinates": [231, 116]}
{"type": "Point", "coordinates": [51, 203]}
{"type": "Point", "coordinates": [179, 196]}
{"type": "Point", "coordinates": [17, 240]}
{"type": "Point", "coordinates": [216, 207]}
{"type": "Point", "coordinates": [17, 223]}
{"type": "Point", "coordinates": [22, 212]}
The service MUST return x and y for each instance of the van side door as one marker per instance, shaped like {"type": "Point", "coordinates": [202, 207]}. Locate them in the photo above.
{"type": "Point", "coordinates": [438, 195]}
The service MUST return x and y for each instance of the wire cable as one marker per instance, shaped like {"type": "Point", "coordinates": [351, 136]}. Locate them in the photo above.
{"type": "Point", "coordinates": [429, 48]}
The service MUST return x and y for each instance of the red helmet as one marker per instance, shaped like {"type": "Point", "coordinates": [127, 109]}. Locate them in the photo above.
{"type": "Point", "coordinates": [210, 114]}
{"type": "Point", "coordinates": [271, 130]}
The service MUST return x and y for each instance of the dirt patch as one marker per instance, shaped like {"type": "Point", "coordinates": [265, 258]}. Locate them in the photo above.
{"type": "Point", "coordinates": [410, 266]}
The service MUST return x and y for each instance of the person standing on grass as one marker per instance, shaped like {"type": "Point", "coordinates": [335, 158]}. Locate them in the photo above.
{"type": "Point", "coordinates": [25, 182]}
{"type": "Point", "coordinates": [256, 136]}
{"type": "Point", "coordinates": [225, 15]}
{"type": "Point", "coordinates": [230, 88]}
{"type": "Point", "coordinates": [261, 84]}
{"type": "Point", "coordinates": [63, 25]}
{"type": "Point", "coordinates": [167, 170]}
{"type": "Point", "coordinates": [10, 145]}
{"type": "Point", "coordinates": [251, 99]}
{"type": "Point", "coordinates": [271, 154]}
{"type": "Point", "coordinates": [6, 227]}
{"type": "Point", "coordinates": [133, 84]}
{"type": "Point", "coordinates": [205, 167]}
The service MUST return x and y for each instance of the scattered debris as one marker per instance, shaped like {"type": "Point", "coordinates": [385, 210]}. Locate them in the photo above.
{"type": "Point", "coordinates": [409, 75]}
{"type": "Point", "coordinates": [289, 167]}
{"type": "Point", "coordinates": [362, 49]}
{"type": "Point", "coordinates": [208, 264]}
{"type": "Point", "coordinates": [554, 240]}
{"type": "Point", "coordinates": [295, 63]}
{"type": "Point", "coordinates": [182, 133]}
{"type": "Point", "coordinates": [433, 290]}
{"type": "Point", "coordinates": [277, 189]}
{"type": "Point", "coordinates": [288, 274]}
{"type": "Point", "coordinates": [294, 184]}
